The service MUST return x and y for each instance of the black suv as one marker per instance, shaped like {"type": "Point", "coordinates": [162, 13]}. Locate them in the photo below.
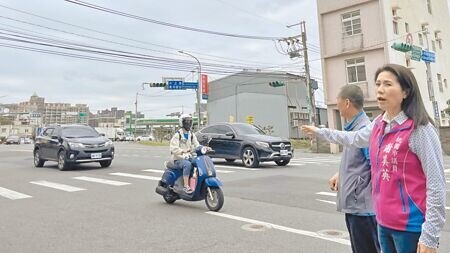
{"type": "Point", "coordinates": [71, 144]}
{"type": "Point", "coordinates": [247, 142]}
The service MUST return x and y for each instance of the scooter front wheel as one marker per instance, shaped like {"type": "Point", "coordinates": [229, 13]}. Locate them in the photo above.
{"type": "Point", "coordinates": [214, 198]}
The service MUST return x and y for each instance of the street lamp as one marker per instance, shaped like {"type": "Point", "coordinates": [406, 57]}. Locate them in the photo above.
{"type": "Point", "coordinates": [198, 87]}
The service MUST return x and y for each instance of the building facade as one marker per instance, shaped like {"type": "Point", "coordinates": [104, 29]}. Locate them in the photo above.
{"type": "Point", "coordinates": [356, 38]}
{"type": "Point", "coordinates": [248, 97]}
{"type": "Point", "coordinates": [54, 113]}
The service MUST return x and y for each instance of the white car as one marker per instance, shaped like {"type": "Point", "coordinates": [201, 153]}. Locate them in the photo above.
{"type": "Point", "coordinates": [145, 138]}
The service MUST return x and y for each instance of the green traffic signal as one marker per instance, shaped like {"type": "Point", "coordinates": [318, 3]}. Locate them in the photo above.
{"type": "Point", "coordinates": [403, 47]}
{"type": "Point", "coordinates": [276, 84]}
{"type": "Point", "coordinates": [157, 84]}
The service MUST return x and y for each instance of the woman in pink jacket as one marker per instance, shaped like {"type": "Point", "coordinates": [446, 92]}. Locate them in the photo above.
{"type": "Point", "coordinates": [408, 181]}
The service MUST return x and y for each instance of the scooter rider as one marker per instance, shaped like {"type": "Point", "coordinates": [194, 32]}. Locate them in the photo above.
{"type": "Point", "coordinates": [182, 148]}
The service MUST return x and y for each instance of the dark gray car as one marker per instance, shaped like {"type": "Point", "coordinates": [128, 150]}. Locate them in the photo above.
{"type": "Point", "coordinates": [247, 142]}
{"type": "Point", "coordinates": [71, 144]}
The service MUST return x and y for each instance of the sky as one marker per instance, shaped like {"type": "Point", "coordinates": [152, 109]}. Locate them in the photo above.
{"type": "Point", "coordinates": [102, 85]}
{"type": "Point", "coordinates": [52, 28]}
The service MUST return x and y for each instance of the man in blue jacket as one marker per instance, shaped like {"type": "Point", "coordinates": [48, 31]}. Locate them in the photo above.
{"type": "Point", "coordinates": [352, 182]}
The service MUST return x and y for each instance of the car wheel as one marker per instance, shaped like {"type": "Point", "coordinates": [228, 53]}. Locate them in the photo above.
{"type": "Point", "coordinates": [282, 162]}
{"type": "Point", "coordinates": [249, 157]}
{"type": "Point", "coordinates": [38, 162]}
{"type": "Point", "coordinates": [62, 164]}
{"type": "Point", "coordinates": [230, 160]}
{"type": "Point", "coordinates": [105, 164]}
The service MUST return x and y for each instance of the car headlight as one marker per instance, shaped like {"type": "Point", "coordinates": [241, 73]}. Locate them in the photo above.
{"type": "Point", "coordinates": [76, 145]}
{"type": "Point", "coordinates": [108, 143]}
{"type": "Point", "coordinates": [262, 144]}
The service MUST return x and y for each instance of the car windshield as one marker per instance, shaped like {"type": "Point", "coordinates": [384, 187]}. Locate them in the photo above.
{"type": "Point", "coordinates": [247, 129]}
{"type": "Point", "coordinates": [79, 132]}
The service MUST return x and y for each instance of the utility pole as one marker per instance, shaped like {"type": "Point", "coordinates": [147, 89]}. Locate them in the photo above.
{"type": "Point", "coordinates": [295, 45]}
{"type": "Point", "coordinates": [437, 120]}
{"type": "Point", "coordinates": [312, 111]}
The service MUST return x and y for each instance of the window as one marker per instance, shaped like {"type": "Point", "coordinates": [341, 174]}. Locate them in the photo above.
{"type": "Point", "coordinates": [356, 70]}
{"type": "Point", "coordinates": [408, 63]}
{"type": "Point", "coordinates": [445, 83]}
{"type": "Point", "coordinates": [433, 45]}
{"type": "Point", "coordinates": [351, 23]}
{"type": "Point", "coordinates": [420, 39]}
{"type": "Point", "coordinates": [395, 25]}
{"type": "Point", "coordinates": [439, 77]}
{"type": "Point", "coordinates": [429, 6]}
{"type": "Point", "coordinates": [407, 27]}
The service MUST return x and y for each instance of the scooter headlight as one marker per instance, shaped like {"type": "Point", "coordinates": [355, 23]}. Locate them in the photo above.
{"type": "Point", "coordinates": [204, 150]}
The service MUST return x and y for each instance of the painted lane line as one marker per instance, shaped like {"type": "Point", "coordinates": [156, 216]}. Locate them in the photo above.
{"type": "Point", "coordinates": [162, 171]}
{"type": "Point", "coordinates": [447, 171]}
{"type": "Point", "coordinates": [234, 167]}
{"type": "Point", "coordinates": [102, 181]}
{"type": "Point", "coordinates": [12, 194]}
{"type": "Point", "coordinates": [134, 176]}
{"type": "Point", "coordinates": [326, 201]}
{"type": "Point", "coordinates": [282, 228]}
{"type": "Point", "coordinates": [57, 186]}
{"type": "Point", "coordinates": [297, 164]}
{"type": "Point", "coordinates": [327, 193]}
{"type": "Point", "coordinates": [448, 208]}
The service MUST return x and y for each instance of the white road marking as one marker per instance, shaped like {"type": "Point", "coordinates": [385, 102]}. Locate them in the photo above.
{"type": "Point", "coordinates": [282, 228]}
{"type": "Point", "coordinates": [162, 171]}
{"type": "Point", "coordinates": [58, 186]}
{"type": "Point", "coordinates": [296, 164]}
{"type": "Point", "coordinates": [327, 193]}
{"type": "Point", "coordinates": [327, 201]}
{"type": "Point", "coordinates": [12, 194]}
{"type": "Point", "coordinates": [102, 181]}
{"type": "Point", "coordinates": [234, 167]}
{"type": "Point", "coordinates": [448, 208]}
{"type": "Point", "coordinates": [447, 171]}
{"type": "Point", "coordinates": [18, 150]}
{"type": "Point", "coordinates": [134, 176]}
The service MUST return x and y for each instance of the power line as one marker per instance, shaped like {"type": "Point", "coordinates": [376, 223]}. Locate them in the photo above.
{"type": "Point", "coordinates": [123, 37]}
{"type": "Point", "coordinates": [154, 21]}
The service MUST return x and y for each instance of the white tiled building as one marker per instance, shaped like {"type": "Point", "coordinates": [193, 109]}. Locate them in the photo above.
{"type": "Point", "coordinates": [356, 38]}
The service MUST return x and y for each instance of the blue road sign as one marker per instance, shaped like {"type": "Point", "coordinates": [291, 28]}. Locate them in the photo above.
{"type": "Point", "coordinates": [175, 85]}
{"type": "Point", "coordinates": [428, 56]}
{"type": "Point", "coordinates": [190, 85]}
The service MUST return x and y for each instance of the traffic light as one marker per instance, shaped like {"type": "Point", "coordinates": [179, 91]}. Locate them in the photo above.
{"type": "Point", "coordinates": [276, 84]}
{"type": "Point", "coordinates": [403, 47]}
{"type": "Point", "coordinates": [157, 84]}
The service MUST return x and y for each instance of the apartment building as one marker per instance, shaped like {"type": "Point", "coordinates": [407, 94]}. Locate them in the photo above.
{"type": "Point", "coordinates": [54, 113]}
{"type": "Point", "coordinates": [356, 38]}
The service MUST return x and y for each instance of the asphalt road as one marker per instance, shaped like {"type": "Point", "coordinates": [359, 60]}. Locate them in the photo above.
{"type": "Point", "coordinates": [270, 209]}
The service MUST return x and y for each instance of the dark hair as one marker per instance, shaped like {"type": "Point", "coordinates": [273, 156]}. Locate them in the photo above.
{"type": "Point", "coordinates": [354, 94]}
{"type": "Point", "coordinates": [412, 105]}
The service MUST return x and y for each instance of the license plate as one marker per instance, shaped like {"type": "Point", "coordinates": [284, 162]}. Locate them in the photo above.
{"type": "Point", "coordinates": [283, 152]}
{"type": "Point", "coordinates": [96, 155]}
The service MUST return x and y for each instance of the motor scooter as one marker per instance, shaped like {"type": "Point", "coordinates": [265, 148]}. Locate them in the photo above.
{"type": "Point", "coordinates": [207, 185]}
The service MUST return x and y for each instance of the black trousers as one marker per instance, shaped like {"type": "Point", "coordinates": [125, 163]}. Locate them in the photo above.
{"type": "Point", "coordinates": [363, 233]}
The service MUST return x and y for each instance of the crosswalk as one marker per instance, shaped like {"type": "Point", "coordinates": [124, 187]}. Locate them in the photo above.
{"type": "Point", "coordinates": [70, 185]}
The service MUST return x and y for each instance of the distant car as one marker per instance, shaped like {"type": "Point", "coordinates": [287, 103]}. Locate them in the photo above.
{"type": "Point", "coordinates": [247, 142]}
{"type": "Point", "coordinates": [25, 140]}
{"type": "Point", "coordinates": [72, 144]}
{"type": "Point", "coordinates": [129, 138]}
{"type": "Point", "coordinates": [145, 138]}
{"type": "Point", "coordinates": [13, 139]}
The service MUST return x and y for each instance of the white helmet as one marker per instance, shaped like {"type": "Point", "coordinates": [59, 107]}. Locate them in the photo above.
{"type": "Point", "coordinates": [185, 121]}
